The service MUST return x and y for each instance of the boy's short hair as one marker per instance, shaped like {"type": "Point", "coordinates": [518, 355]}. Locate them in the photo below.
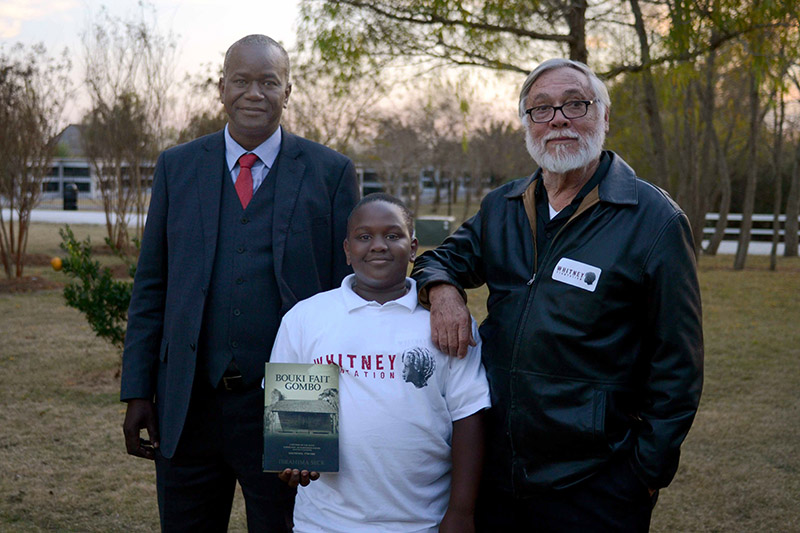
{"type": "Point", "coordinates": [408, 216]}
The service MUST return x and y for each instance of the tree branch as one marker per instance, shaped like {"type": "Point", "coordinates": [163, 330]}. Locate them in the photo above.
{"type": "Point", "coordinates": [433, 18]}
{"type": "Point", "coordinates": [714, 44]}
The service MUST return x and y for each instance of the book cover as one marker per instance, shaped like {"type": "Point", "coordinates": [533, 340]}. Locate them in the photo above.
{"type": "Point", "coordinates": [301, 417]}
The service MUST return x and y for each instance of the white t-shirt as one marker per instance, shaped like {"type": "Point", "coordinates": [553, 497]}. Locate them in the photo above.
{"type": "Point", "coordinates": [398, 399]}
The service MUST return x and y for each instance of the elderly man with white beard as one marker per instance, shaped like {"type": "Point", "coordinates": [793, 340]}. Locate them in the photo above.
{"type": "Point", "coordinates": [593, 341]}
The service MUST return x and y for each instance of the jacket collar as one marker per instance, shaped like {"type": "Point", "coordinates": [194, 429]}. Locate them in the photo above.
{"type": "Point", "coordinates": [288, 186]}
{"type": "Point", "coordinates": [618, 187]}
{"type": "Point", "coordinates": [209, 169]}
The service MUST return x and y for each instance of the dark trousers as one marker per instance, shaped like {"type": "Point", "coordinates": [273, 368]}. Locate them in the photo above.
{"type": "Point", "coordinates": [614, 501]}
{"type": "Point", "coordinates": [221, 444]}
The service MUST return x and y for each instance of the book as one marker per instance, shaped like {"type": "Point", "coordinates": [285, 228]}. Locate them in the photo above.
{"type": "Point", "coordinates": [301, 417]}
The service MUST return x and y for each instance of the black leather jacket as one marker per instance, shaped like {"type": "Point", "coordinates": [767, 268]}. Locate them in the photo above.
{"type": "Point", "coordinates": [588, 359]}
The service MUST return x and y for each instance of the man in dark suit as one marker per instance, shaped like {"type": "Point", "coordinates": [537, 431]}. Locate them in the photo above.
{"type": "Point", "coordinates": [243, 223]}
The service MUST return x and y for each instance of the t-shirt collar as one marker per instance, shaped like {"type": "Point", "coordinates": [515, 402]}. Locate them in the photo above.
{"type": "Point", "coordinates": [353, 301]}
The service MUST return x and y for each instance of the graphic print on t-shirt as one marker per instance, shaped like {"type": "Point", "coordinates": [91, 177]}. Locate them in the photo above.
{"type": "Point", "coordinates": [418, 365]}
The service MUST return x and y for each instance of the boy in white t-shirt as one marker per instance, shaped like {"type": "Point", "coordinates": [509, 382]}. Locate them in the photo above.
{"type": "Point", "coordinates": [410, 425]}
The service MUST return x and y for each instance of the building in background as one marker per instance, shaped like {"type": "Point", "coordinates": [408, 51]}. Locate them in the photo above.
{"type": "Point", "coordinates": [71, 165]}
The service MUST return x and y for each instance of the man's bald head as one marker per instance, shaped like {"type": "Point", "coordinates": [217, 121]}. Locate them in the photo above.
{"type": "Point", "coordinates": [257, 40]}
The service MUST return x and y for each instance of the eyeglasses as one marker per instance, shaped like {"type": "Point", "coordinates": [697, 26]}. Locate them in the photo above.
{"type": "Point", "coordinates": [572, 109]}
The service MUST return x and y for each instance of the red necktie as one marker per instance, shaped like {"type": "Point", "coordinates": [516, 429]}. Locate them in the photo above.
{"type": "Point", "coordinates": [244, 182]}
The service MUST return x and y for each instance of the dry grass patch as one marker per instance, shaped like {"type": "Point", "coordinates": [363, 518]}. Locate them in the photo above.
{"type": "Point", "coordinates": [739, 469]}
{"type": "Point", "coordinates": [63, 458]}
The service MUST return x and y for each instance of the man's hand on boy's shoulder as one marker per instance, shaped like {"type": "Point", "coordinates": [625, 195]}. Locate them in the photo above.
{"type": "Point", "coordinates": [455, 522]}
{"type": "Point", "coordinates": [297, 477]}
{"type": "Point", "coordinates": [451, 324]}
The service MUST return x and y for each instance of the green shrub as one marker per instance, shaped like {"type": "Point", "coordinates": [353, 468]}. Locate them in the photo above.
{"type": "Point", "coordinates": [94, 291]}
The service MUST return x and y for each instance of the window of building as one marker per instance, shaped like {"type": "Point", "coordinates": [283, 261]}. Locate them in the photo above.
{"type": "Point", "coordinates": [76, 172]}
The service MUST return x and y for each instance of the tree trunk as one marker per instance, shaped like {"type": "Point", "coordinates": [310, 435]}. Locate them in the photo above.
{"type": "Point", "coordinates": [437, 192]}
{"type": "Point", "coordinates": [777, 152]}
{"type": "Point", "coordinates": [470, 184]}
{"type": "Point", "coordinates": [140, 207]}
{"type": "Point", "coordinates": [692, 202]}
{"type": "Point", "coordinates": [725, 196]}
{"type": "Point", "coordinates": [576, 20]}
{"type": "Point", "coordinates": [650, 103]}
{"type": "Point", "coordinates": [22, 240]}
{"type": "Point", "coordinates": [417, 193]}
{"type": "Point", "coordinates": [792, 209]}
{"type": "Point", "coordinates": [705, 93]}
{"type": "Point", "coordinates": [4, 250]}
{"type": "Point", "coordinates": [752, 177]}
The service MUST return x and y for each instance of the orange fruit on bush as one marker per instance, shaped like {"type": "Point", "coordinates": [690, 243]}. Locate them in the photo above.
{"type": "Point", "coordinates": [56, 263]}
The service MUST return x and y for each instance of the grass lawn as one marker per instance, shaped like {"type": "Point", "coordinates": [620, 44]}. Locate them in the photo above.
{"type": "Point", "coordinates": [64, 466]}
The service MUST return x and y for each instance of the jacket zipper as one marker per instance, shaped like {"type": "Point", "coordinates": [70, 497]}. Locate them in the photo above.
{"type": "Point", "coordinates": [514, 353]}
{"type": "Point", "coordinates": [520, 326]}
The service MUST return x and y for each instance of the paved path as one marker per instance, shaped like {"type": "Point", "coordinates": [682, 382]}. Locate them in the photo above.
{"type": "Point", "coordinates": [55, 216]}
{"type": "Point", "coordinates": [98, 217]}
{"type": "Point", "coordinates": [755, 248]}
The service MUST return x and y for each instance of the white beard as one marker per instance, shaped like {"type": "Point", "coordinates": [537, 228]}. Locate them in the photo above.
{"type": "Point", "coordinates": [565, 159]}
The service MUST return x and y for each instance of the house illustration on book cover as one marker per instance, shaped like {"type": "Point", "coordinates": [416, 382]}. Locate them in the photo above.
{"type": "Point", "coordinates": [317, 417]}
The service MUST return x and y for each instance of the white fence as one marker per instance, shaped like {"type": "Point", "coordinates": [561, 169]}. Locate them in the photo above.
{"type": "Point", "coordinates": [762, 226]}
{"type": "Point", "coordinates": [760, 234]}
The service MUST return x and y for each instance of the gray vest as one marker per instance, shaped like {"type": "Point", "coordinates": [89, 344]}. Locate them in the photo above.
{"type": "Point", "coordinates": [242, 310]}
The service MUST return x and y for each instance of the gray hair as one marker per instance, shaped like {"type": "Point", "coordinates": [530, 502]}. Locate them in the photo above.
{"type": "Point", "coordinates": [598, 87]}
{"type": "Point", "coordinates": [257, 39]}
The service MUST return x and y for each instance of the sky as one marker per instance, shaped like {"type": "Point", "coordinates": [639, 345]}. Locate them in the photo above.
{"type": "Point", "coordinates": [204, 28]}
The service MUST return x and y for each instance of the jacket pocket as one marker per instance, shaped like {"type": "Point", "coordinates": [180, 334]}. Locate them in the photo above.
{"type": "Point", "coordinates": [558, 417]}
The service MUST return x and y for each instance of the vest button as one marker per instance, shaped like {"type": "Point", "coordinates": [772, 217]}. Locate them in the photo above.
{"type": "Point", "coordinates": [239, 281]}
{"type": "Point", "coordinates": [236, 312]}
{"type": "Point", "coordinates": [245, 220]}
{"type": "Point", "coordinates": [240, 249]}
{"type": "Point", "coordinates": [234, 344]}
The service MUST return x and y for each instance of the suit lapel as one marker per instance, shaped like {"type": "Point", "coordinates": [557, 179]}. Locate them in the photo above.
{"type": "Point", "coordinates": [288, 183]}
{"type": "Point", "coordinates": [210, 172]}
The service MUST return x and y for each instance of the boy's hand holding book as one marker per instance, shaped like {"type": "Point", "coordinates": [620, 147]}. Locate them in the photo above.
{"type": "Point", "coordinates": [297, 477]}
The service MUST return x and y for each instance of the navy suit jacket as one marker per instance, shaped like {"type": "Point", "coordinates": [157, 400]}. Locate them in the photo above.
{"type": "Point", "coordinates": [315, 190]}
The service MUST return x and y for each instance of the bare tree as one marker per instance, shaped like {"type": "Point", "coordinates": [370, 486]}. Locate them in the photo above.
{"type": "Point", "coordinates": [752, 172]}
{"type": "Point", "coordinates": [203, 110]}
{"type": "Point", "coordinates": [729, 114]}
{"type": "Point", "coordinates": [650, 103]}
{"type": "Point", "coordinates": [793, 207]}
{"type": "Point", "coordinates": [793, 197]}
{"type": "Point", "coordinates": [329, 110]}
{"type": "Point", "coordinates": [117, 141]}
{"type": "Point", "coordinates": [397, 151]}
{"type": "Point", "coordinates": [33, 90]}
{"type": "Point", "coordinates": [779, 117]}
{"type": "Point", "coordinates": [129, 75]}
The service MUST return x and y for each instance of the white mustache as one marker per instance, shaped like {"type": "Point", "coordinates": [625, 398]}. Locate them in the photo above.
{"type": "Point", "coordinates": [560, 135]}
